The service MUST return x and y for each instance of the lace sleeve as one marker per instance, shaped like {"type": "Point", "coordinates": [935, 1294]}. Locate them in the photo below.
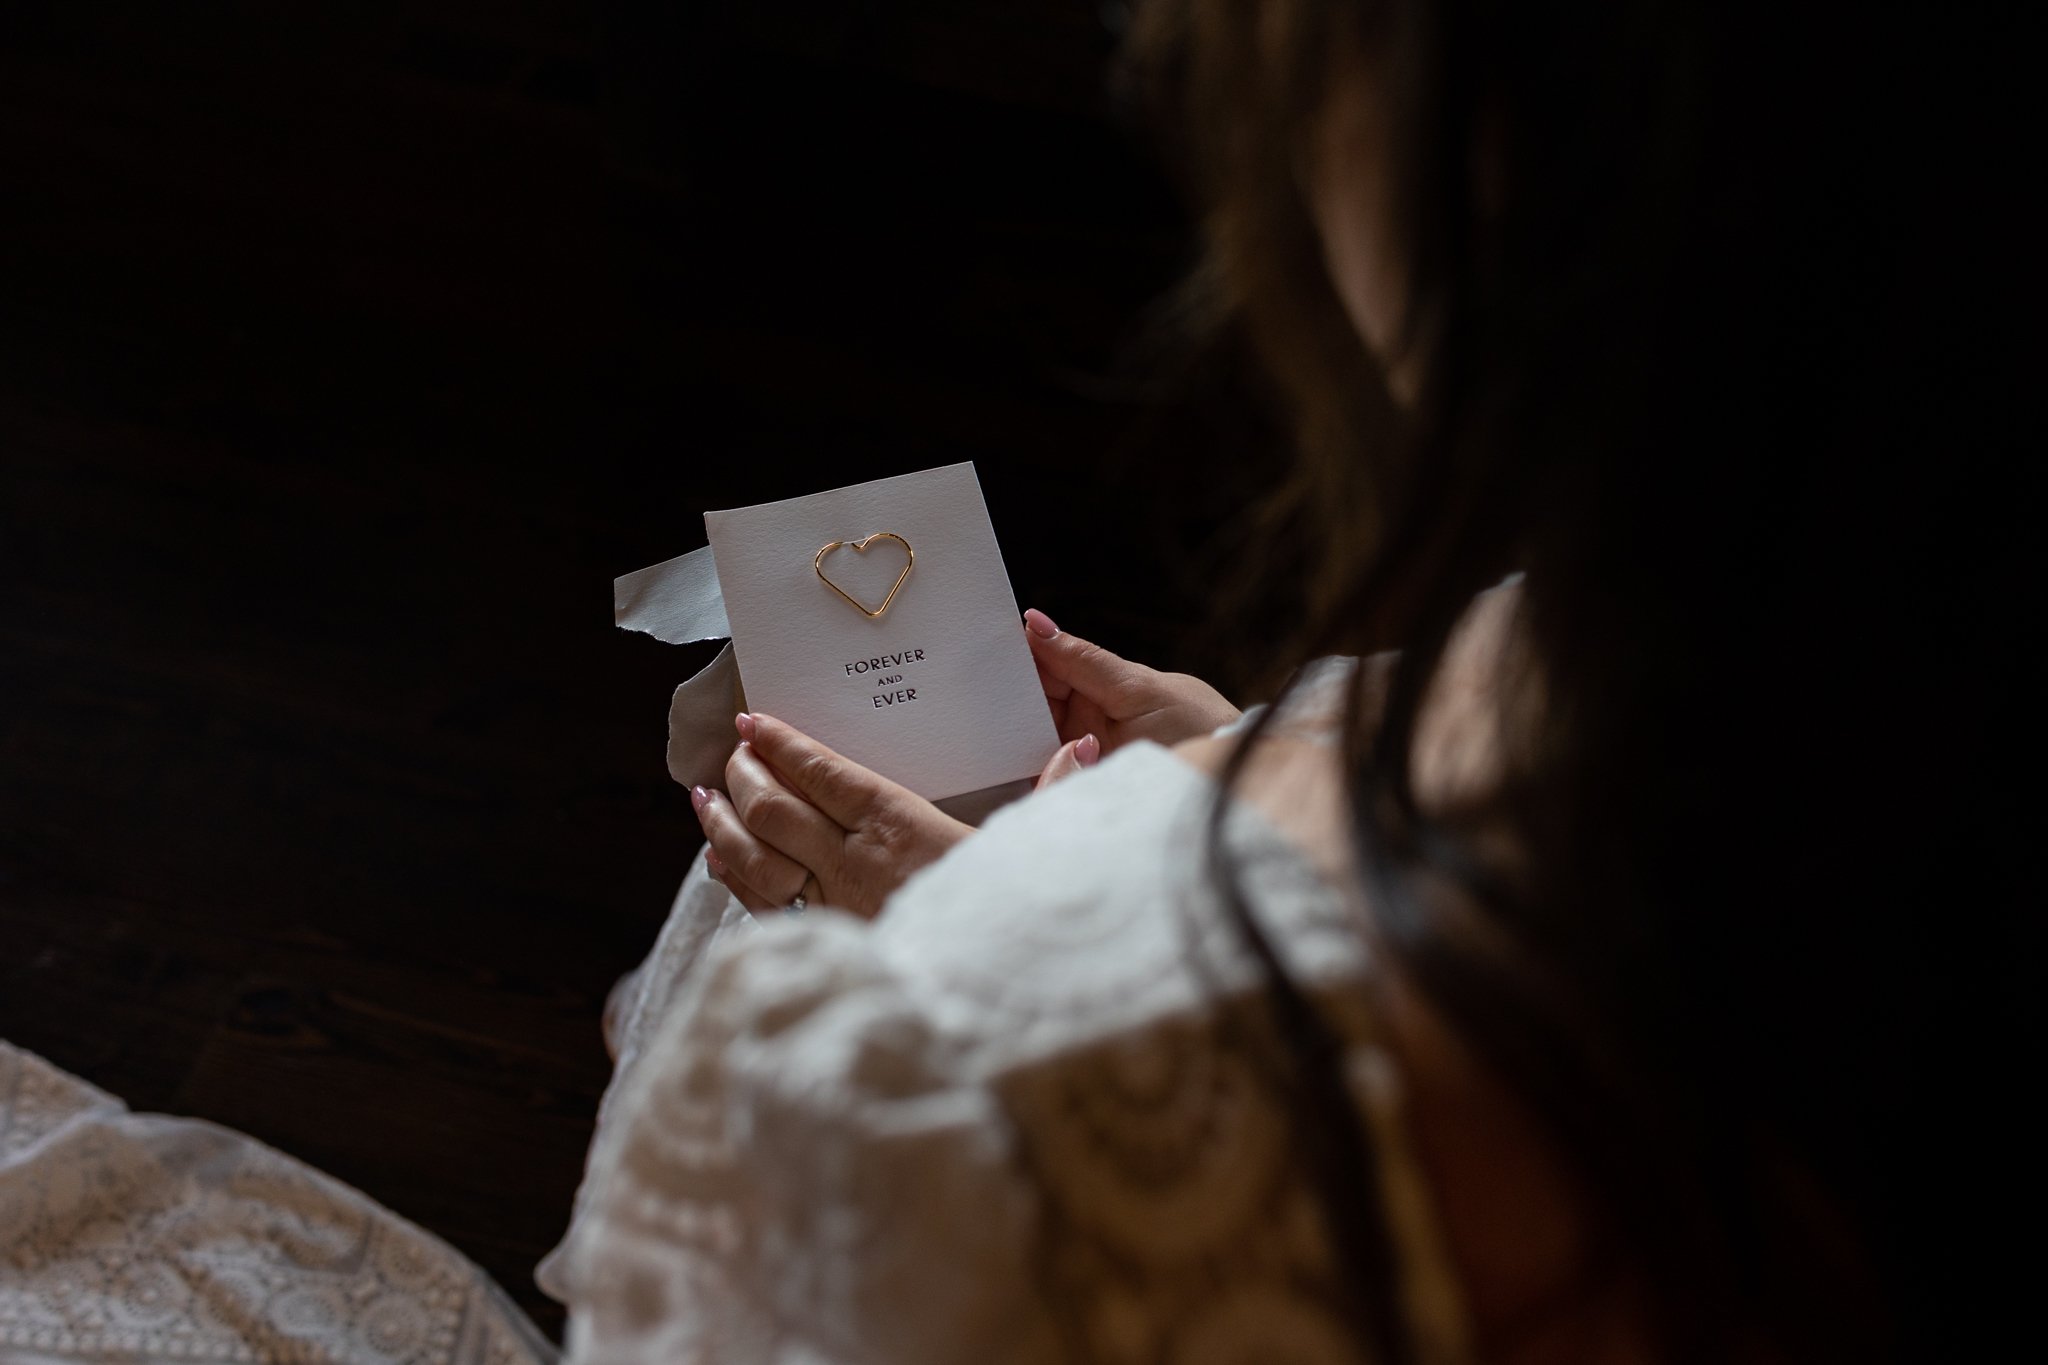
{"type": "Point", "coordinates": [803, 1173]}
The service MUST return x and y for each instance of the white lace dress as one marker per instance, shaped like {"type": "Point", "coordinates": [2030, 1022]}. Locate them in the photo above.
{"type": "Point", "coordinates": [138, 1238]}
{"type": "Point", "coordinates": [1015, 1119]}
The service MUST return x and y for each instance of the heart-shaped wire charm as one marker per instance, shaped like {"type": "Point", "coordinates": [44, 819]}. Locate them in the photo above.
{"type": "Point", "coordinates": [860, 546]}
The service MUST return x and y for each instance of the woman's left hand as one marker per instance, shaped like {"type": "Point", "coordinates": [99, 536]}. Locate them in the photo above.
{"type": "Point", "coordinates": [803, 820]}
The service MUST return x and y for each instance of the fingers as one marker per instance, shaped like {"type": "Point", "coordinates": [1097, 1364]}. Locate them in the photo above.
{"type": "Point", "coordinates": [1038, 627]}
{"type": "Point", "coordinates": [1069, 664]}
{"type": "Point", "coordinates": [748, 896]}
{"type": "Point", "coordinates": [766, 871]}
{"type": "Point", "coordinates": [841, 788]}
{"type": "Point", "coordinates": [778, 816]}
{"type": "Point", "coordinates": [1070, 758]}
{"type": "Point", "coordinates": [741, 892]}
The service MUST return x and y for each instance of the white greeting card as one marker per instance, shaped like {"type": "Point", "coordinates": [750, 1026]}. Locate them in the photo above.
{"type": "Point", "coordinates": [879, 620]}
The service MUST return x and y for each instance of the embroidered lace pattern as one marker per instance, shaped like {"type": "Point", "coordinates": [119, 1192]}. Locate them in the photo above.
{"type": "Point", "coordinates": [141, 1238]}
{"type": "Point", "coordinates": [1023, 1117]}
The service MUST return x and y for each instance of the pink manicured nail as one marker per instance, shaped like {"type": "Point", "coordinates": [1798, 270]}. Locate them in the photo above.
{"type": "Point", "coordinates": [715, 863]}
{"type": "Point", "coordinates": [1087, 751]}
{"type": "Point", "coordinates": [744, 723]}
{"type": "Point", "coordinates": [699, 799]}
{"type": "Point", "coordinates": [1039, 624]}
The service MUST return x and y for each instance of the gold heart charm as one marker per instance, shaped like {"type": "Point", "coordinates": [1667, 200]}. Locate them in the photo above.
{"type": "Point", "coordinates": [860, 547]}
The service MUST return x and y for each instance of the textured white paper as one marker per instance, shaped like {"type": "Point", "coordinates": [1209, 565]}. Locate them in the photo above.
{"type": "Point", "coordinates": [939, 693]}
{"type": "Point", "coordinates": [677, 600]}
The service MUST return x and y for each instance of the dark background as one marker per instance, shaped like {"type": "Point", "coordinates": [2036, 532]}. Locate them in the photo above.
{"type": "Point", "coordinates": [347, 351]}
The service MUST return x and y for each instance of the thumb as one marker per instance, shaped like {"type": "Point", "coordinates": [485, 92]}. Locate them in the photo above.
{"type": "Point", "coordinates": [1075, 664]}
{"type": "Point", "coordinates": [1069, 759]}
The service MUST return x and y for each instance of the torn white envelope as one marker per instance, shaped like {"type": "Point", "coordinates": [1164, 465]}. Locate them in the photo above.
{"type": "Point", "coordinates": [936, 691]}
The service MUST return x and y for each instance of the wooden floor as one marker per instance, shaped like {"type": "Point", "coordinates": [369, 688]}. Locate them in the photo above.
{"type": "Point", "coordinates": [347, 351]}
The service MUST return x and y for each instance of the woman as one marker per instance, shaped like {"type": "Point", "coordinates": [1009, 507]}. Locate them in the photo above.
{"type": "Point", "coordinates": [1566, 985]}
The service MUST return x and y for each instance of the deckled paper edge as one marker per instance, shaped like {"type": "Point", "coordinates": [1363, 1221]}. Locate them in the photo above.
{"type": "Point", "coordinates": [677, 600]}
{"type": "Point", "coordinates": [700, 733]}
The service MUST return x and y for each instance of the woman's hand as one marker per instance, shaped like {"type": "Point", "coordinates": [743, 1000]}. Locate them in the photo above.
{"type": "Point", "coordinates": [1092, 691]}
{"type": "Point", "coordinates": [803, 820]}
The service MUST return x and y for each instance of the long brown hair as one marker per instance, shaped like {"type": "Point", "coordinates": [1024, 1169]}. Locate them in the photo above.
{"type": "Point", "coordinates": [1694, 371]}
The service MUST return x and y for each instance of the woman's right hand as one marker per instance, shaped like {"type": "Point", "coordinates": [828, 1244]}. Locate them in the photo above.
{"type": "Point", "coordinates": [1092, 691]}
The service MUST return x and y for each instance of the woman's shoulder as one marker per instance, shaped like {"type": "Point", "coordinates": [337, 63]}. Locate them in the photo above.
{"type": "Point", "coordinates": [1082, 956]}
{"type": "Point", "coordinates": [1101, 907]}
{"type": "Point", "coordinates": [1121, 831]}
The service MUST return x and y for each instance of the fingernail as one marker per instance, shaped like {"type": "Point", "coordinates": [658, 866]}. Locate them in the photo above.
{"type": "Point", "coordinates": [715, 863]}
{"type": "Point", "coordinates": [744, 723]}
{"type": "Point", "coordinates": [1039, 624]}
{"type": "Point", "coordinates": [699, 799]}
{"type": "Point", "coordinates": [1087, 751]}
